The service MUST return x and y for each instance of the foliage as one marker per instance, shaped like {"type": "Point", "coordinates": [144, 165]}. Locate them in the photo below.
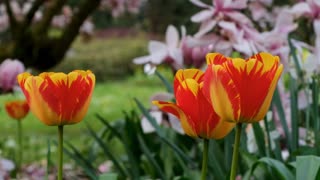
{"type": "Point", "coordinates": [109, 59]}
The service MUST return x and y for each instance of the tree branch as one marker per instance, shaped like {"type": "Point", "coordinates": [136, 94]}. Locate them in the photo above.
{"type": "Point", "coordinates": [12, 19]}
{"type": "Point", "coordinates": [29, 16]}
{"type": "Point", "coordinates": [72, 29]}
{"type": "Point", "coordinates": [53, 9]}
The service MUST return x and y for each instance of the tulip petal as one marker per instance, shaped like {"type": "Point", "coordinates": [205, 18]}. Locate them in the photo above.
{"type": "Point", "coordinates": [266, 103]}
{"type": "Point", "coordinates": [222, 93]}
{"type": "Point", "coordinates": [216, 58]}
{"type": "Point", "coordinates": [255, 80]}
{"type": "Point", "coordinates": [175, 110]}
{"type": "Point", "coordinates": [184, 74]}
{"type": "Point", "coordinates": [191, 99]}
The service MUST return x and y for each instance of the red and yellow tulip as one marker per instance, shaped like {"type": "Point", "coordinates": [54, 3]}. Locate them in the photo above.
{"type": "Point", "coordinates": [56, 98]}
{"type": "Point", "coordinates": [241, 90]}
{"type": "Point", "coordinates": [197, 117]}
{"type": "Point", "coordinates": [17, 109]}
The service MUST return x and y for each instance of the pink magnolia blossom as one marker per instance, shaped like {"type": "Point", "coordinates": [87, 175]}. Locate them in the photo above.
{"type": "Point", "coordinates": [169, 52]}
{"type": "Point", "coordinates": [219, 10]}
{"type": "Point", "coordinates": [309, 8]}
{"type": "Point", "coordinates": [9, 69]}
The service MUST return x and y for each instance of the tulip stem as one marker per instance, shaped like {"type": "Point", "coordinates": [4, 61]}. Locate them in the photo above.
{"type": "Point", "coordinates": [19, 146]}
{"type": "Point", "coordinates": [235, 154]}
{"type": "Point", "coordinates": [205, 159]}
{"type": "Point", "coordinates": [60, 168]}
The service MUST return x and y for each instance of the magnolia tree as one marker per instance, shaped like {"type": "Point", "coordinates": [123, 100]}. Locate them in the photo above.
{"type": "Point", "coordinates": [244, 26]}
{"type": "Point", "coordinates": [25, 27]}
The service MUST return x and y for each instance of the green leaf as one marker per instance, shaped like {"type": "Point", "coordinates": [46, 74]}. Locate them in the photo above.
{"type": "Point", "coordinates": [79, 155]}
{"type": "Point", "coordinates": [90, 172]}
{"type": "Point", "coordinates": [277, 102]}
{"type": "Point", "coordinates": [161, 133]}
{"type": "Point", "coordinates": [108, 176]}
{"type": "Point", "coordinates": [165, 82]}
{"type": "Point", "coordinates": [152, 121]}
{"type": "Point", "coordinates": [280, 169]}
{"type": "Point", "coordinates": [260, 139]}
{"type": "Point", "coordinates": [150, 157]}
{"type": "Point", "coordinates": [216, 162]}
{"type": "Point", "coordinates": [107, 152]}
{"type": "Point", "coordinates": [294, 115]}
{"type": "Point", "coordinates": [308, 167]}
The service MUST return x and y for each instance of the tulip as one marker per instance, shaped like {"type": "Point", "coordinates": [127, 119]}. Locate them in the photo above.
{"type": "Point", "coordinates": [9, 69]}
{"type": "Point", "coordinates": [197, 117]}
{"type": "Point", "coordinates": [58, 99]}
{"type": "Point", "coordinates": [241, 90]}
{"type": "Point", "coordinates": [18, 109]}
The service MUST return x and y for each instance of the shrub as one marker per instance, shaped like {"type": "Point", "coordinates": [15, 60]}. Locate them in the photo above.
{"type": "Point", "coordinates": [109, 58]}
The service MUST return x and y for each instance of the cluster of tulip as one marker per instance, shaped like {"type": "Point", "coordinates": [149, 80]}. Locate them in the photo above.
{"type": "Point", "coordinates": [230, 92]}
{"type": "Point", "coordinates": [209, 104]}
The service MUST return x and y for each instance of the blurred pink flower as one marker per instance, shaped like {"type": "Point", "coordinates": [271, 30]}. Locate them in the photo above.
{"type": "Point", "coordinates": [9, 69]}
{"type": "Point", "coordinates": [133, 5]}
{"type": "Point", "coordinates": [117, 7]}
{"type": "Point", "coordinates": [5, 167]}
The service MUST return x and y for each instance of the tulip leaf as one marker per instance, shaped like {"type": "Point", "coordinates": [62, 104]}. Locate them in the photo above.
{"type": "Point", "coordinates": [108, 176]}
{"type": "Point", "coordinates": [294, 114]}
{"type": "Point", "coordinates": [160, 132]}
{"type": "Point", "coordinates": [278, 104]}
{"type": "Point", "coordinates": [260, 139]}
{"type": "Point", "coordinates": [107, 152]}
{"type": "Point", "coordinates": [134, 170]}
{"type": "Point", "coordinates": [249, 160]}
{"type": "Point", "coordinates": [109, 126]}
{"type": "Point", "coordinates": [79, 155]}
{"type": "Point", "coordinates": [295, 58]}
{"type": "Point", "coordinates": [90, 172]}
{"type": "Point", "coordinates": [280, 169]}
{"type": "Point", "coordinates": [315, 111]}
{"type": "Point", "coordinates": [149, 118]}
{"type": "Point", "coordinates": [308, 167]}
{"type": "Point", "coordinates": [150, 157]}
{"type": "Point", "coordinates": [165, 82]}
{"type": "Point", "coordinates": [216, 161]}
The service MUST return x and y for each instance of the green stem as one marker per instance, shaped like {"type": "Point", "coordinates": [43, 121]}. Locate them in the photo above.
{"type": "Point", "coordinates": [19, 145]}
{"type": "Point", "coordinates": [205, 159]}
{"type": "Point", "coordinates": [235, 154]}
{"type": "Point", "coordinates": [60, 150]}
